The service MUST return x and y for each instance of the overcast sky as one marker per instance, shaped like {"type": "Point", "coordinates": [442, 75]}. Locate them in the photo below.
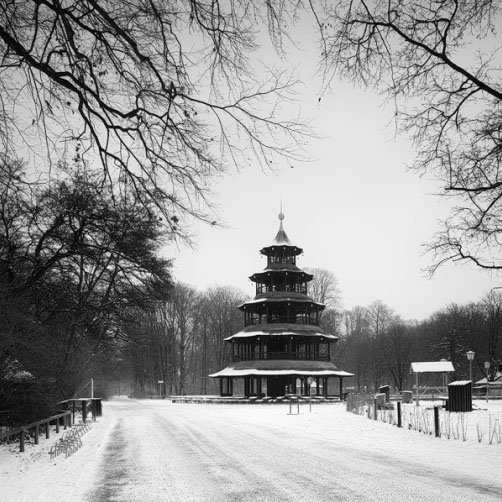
{"type": "Point", "coordinates": [355, 210]}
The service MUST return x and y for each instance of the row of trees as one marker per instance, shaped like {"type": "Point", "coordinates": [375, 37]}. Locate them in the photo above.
{"type": "Point", "coordinates": [77, 260]}
{"type": "Point", "coordinates": [114, 86]}
{"type": "Point", "coordinates": [378, 346]}
{"type": "Point", "coordinates": [182, 341]}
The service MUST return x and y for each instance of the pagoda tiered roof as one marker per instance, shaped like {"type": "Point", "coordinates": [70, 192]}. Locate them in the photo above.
{"type": "Point", "coordinates": [281, 367]}
{"type": "Point", "coordinates": [282, 340]}
{"type": "Point", "coordinates": [282, 329]}
{"type": "Point", "coordinates": [281, 240]}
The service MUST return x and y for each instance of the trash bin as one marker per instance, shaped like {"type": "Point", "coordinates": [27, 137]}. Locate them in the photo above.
{"type": "Point", "coordinates": [460, 396]}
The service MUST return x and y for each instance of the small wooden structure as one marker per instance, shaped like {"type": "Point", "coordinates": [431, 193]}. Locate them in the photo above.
{"type": "Point", "coordinates": [84, 405]}
{"type": "Point", "coordinates": [442, 368]}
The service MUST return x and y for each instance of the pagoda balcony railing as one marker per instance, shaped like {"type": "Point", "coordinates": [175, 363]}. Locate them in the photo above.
{"type": "Point", "coordinates": [254, 356]}
{"type": "Point", "coordinates": [288, 288]}
{"type": "Point", "coordinates": [281, 319]}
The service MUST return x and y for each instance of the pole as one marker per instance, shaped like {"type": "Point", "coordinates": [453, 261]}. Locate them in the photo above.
{"type": "Point", "coordinates": [92, 388]}
{"type": "Point", "coordinates": [436, 422]}
{"type": "Point", "coordinates": [487, 368]}
{"type": "Point", "coordinates": [470, 371]}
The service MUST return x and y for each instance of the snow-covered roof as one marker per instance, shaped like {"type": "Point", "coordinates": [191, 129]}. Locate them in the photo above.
{"type": "Point", "coordinates": [255, 372]}
{"type": "Point", "coordinates": [270, 367]}
{"type": "Point", "coordinates": [459, 383]}
{"type": "Point", "coordinates": [282, 329]}
{"type": "Point", "coordinates": [432, 367]}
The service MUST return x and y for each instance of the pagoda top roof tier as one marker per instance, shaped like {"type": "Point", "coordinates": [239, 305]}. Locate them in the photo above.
{"type": "Point", "coordinates": [281, 240]}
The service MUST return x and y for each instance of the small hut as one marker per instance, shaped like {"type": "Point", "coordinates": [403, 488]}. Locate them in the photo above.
{"type": "Point", "coordinates": [431, 378]}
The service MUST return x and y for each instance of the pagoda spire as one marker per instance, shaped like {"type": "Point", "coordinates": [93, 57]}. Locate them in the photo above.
{"type": "Point", "coordinates": [281, 239]}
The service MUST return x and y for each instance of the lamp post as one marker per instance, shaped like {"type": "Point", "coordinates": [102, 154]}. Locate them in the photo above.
{"type": "Point", "coordinates": [470, 357]}
{"type": "Point", "coordinates": [487, 368]}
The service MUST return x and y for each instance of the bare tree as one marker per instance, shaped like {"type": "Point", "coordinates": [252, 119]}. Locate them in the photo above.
{"type": "Point", "coordinates": [492, 307]}
{"type": "Point", "coordinates": [397, 349]}
{"type": "Point", "coordinates": [439, 63]}
{"type": "Point", "coordinates": [225, 319]}
{"type": "Point", "coordinates": [163, 92]}
{"type": "Point", "coordinates": [324, 288]}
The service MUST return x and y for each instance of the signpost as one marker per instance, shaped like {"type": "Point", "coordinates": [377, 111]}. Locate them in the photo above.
{"type": "Point", "coordinates": [310, 381]}
{"type": "Point", "coordinates": [487, 368]}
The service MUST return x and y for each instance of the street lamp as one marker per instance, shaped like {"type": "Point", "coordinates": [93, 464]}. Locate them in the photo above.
{"type": "Point", "coordinates": [487, 368]}
{"type": "Point", "coordinates": [470, 357]}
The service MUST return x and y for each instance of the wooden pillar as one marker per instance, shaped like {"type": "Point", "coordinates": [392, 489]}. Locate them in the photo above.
{"type": "Point", "coordinates": [221, 386]}
{"type": "Point", "coordinates": [325, 386]}
{"type": "Point", "coordinates": [318, 390]}
{"type": "Point", "coordinates": [341, 388]}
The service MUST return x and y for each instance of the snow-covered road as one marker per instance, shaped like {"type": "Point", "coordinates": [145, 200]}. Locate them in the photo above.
{"type": "Point", "coordinates": [242, 453]}
{"type": "Point", "coordinates": [158, 451]}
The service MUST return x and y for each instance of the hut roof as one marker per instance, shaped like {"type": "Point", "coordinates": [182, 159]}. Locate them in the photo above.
{"type": "Point", "coordinates": [432, 367]}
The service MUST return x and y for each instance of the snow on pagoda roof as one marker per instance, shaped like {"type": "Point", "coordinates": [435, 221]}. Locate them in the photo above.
{"type": "Point", "coordinates": [432, 367]}
{"type": "Point", "coordinates": [272, 367]}
{"type": "Point", "coordinates": [227, 372]}
{"type": "Point", "coordinates": [282, 329]}
{"type": "Point", "coordinates": [281, 296]}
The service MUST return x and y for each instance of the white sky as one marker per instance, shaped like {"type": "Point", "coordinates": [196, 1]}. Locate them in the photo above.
{"type": "Point", "coordinates": [355, 210]}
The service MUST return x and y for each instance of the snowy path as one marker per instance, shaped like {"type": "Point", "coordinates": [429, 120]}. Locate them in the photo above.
{"type": "Point", "coordinates": [158, 451]}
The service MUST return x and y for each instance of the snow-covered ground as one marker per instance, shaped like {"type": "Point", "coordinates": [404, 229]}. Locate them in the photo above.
{"type": "Point", "coordinates": [159, 451]}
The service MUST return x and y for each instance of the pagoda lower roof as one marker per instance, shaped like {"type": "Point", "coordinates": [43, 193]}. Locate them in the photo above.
{"type": "Point", "coordinates": [282, 329]}
{"type": "Point", "coordinates": [281, 367]}
{"type": "Point", "coordinates": [280, 296]}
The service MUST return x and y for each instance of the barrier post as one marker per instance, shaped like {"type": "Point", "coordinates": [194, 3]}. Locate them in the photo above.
{"type": "Point", "coordinates": [399, 423]}
{"type": "Point", "coordinates": [21, 441]}
{"type": "Point", "coordinates": [436, 421]}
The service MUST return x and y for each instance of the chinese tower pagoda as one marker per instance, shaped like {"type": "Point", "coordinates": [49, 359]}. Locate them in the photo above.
{"type": "Point", "coordinates": [282, 348]}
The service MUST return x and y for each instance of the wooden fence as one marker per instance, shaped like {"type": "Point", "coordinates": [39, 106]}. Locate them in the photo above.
{"type": "Point", "coordinates": [65, 417]}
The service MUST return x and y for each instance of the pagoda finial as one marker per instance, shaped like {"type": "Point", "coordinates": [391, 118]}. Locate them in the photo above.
{"type": "Point", "coordinates": [281, 214]}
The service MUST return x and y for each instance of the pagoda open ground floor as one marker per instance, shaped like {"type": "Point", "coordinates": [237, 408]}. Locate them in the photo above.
{"type": "Point", "coordinates": [155, 450]}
